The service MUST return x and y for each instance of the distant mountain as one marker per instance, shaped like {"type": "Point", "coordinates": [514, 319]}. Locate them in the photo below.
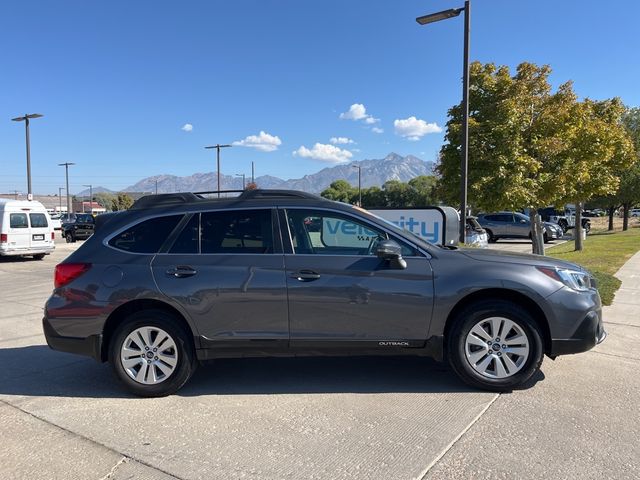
{"type": "Point", "coordinates": [97, 189]}
{"type": "Point", "coordinates": [374, 172]}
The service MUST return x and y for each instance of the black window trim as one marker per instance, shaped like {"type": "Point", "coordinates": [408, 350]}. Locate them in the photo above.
{"type": "Point", "coordinates": [290, 250]}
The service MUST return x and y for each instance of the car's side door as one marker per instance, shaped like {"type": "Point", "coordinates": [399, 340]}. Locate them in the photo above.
{"type": "Point", "coordinates": [226, 270]}
{"type": "Point", "coordinates": [341, 294]}
{"type": "Point", "coordinates": [521, 225]}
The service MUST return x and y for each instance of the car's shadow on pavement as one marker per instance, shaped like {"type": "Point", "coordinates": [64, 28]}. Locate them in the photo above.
{"type": "Point", "coordinates": [36, 370]}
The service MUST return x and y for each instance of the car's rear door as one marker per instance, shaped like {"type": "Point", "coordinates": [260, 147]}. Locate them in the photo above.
{"type": "Point", "coordinates": [19, 232]}
{"type": "Point", "coordinates": [341, 294]}
{"type": "Point", "coordinates": [40, 236]}
{"type": "Point", "coordinates": [226, 270]}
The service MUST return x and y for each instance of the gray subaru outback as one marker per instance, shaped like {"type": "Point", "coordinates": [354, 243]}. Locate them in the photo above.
{"type": "Point", "coordinates": [180, 279]}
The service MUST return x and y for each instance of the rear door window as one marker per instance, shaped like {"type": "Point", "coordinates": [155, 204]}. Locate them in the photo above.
{"type": "Point", "coordinates": [147, 236]}
{"type": "Point", "coordinates": [18, 220]}
{"type": "Point", "coordinates": [236, 231]}
{"type": "Point", "coordinates": [189, 239]}
{"type": "Point", "coordinates": [38, 220]}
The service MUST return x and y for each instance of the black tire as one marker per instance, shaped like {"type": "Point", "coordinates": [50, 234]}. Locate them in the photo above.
{"type": "Point", "coordinates": [471, 316]}
{"type": "Point", "coordinates": [39, 256]}
{"type": "Point", "coordinates": [563, 225]}
{"type": "Point", "coordinates": [70, 237]}
{"type": "Point", "coordinates": [492, 239]}
{"type": "Point", "coordinates": [186, 358]}
{"type": "Point", "coordinates": [545, 238]}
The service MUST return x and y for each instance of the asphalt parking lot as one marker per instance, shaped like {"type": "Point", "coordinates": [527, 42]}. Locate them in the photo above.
{"type": "Point", "coordinates": [65, 416]}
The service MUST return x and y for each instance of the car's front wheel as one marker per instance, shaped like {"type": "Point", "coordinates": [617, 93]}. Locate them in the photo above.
{"type": "Point", "coordinates": [495, 345]}
{"type": "Point", "coordinates": [151, 354]}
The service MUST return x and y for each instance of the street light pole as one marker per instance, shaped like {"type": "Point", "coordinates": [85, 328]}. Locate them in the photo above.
{"type": "Point", "coordinates": [253, 173]}
{"type": "Point", "coordinates": [464, 154]}
{"type": "Point", "coordinates": [60, 198]}
{"type": "Point", "coordinates": [25, 119]}
{"type": "Point", "coordinates": [359, 184]}
{"type": "Point", "coordinates": [66, 170]}
{"type": "Point", "coordinates": [90, 197]}
{"type": "Point", "coordinates": [218, 147]}
{"type": "Point", "coordinates": [243, 179]}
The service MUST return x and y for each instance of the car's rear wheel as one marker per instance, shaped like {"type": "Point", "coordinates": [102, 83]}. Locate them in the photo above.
{"type": "Point", "coordinates": [495, 345]}
{"type": "Point", "coordinates": [151, 354]}
{"type": "Point", "coordinates": [39, 256]}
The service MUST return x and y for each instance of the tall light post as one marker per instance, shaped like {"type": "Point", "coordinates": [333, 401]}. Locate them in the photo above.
{"type": "Point", "coordinates": [66, 171]}
{"type": "Point", "coordinates": [243, 179]}
{"type": "Point", "coordinates": [218, 147]}
{"type": "Point", "coordinates": [60, 198]}
{"type": "Point", "coordinates": [26, 119]}
{"type": "Point", "coordinates": [90, 198]}
{"type": "Point", "coordinates": [359, 184]}
{"type": "Point", "coordinates": [253, 173]}
{"type": "Point", "coordinates": [464, 161]}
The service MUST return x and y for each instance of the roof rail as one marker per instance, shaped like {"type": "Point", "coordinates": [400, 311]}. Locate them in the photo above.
{"type": "Point", "coordinates": [164, 200]}
{"type": "Point", "coordinates": [266, 193]}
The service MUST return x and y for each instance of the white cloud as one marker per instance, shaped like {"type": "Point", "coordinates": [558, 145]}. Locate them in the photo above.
{"type": "Point", "coordinates": [414, 129]}
{"type": "Point", "coordinates": [263, 142]}
{"type": "Point", "coordinates": [357, 111]}
{"type": "Point", "coordinates": [341, 140]}
{"type": "Point", "coordinates": [377, 130]}
{"type": "Point", "coordinates": [324, 153]}
{"type": "Point", "coordinates": [187, 127]}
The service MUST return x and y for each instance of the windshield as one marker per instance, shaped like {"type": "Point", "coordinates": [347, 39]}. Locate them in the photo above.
{"type": "Point", "coordinates": [84, 218]}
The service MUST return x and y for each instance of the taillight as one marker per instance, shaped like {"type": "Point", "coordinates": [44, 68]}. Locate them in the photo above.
{"type": "Point", "coordinates": [67, 272]}
{"type": "Point", "coordinates": [53, 235]}
{"type": "Point", "coordinates": [4, 238]}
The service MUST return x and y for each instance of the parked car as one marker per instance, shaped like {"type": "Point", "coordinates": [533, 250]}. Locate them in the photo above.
{"type": "Point", "coordinates": [514, 225]}
{"type": "Point", "coordinates": [56, 223]}
{"type": "Point", "coordinates": [566, 219]}
{"type": "Point", "coordinates": [475, 235]}
{"type": "Point", "coordinates": [179, 279]}
{"type": "Point", "coordinates": [634, 212]}
{"type": "Point", "coordinates": [25, 229]}
{"type": "Point", "coordinates": [78, 226]}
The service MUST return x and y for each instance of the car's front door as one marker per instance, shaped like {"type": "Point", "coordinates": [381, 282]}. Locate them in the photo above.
{"type": "Point", "coordinates": [226, 270]}
{"type": "Point", "coordinates": [342, 294]}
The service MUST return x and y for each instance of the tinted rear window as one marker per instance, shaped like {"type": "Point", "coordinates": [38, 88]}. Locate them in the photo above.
{"type": "Point", "coordinates": [237, 231]}
{"type": "Point", "coordinates": [38, 220]}
{"type": "Point", "coordinates": [18, 220]}
{"type": "Point", "coordinates": [147, 236]}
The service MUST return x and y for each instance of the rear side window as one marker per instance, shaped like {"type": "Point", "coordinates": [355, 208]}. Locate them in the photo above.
{"type": "Point", "coordinates": [236, 231]}
{"type": "Point", "coordinates": [147, 236]}
{"type": "Point", "coordinates": [18, 220]}
{"type": "Point", "coordinates": [38, 220]}
{"type": "Point", "coordinates": [188, 240]}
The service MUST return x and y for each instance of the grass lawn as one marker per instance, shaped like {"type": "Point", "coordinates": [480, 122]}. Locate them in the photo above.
{"type": "Point", "coordinates": [604, 253]}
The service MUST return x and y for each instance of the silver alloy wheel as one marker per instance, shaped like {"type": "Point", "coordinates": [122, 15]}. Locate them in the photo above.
{"type": "Point", "coordinates": [496, 347]}
{"type": "Point", "coordinates": [149, 355]}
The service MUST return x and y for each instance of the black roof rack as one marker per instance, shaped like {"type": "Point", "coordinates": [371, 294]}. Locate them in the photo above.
{"type": "Point", "coordinates": [170, 199]}
{"type": "Point", "coordinates": [266, 193]}
{"type": "Point", "coordinates": [164, 199]}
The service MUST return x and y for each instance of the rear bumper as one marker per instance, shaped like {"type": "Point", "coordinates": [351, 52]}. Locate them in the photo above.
{"type": "Point", "coordinates": [27, 251]}
{"type": "Point", "coordinates": [589, 333]}
{"type": "Point", "coordinates": [90, 346]}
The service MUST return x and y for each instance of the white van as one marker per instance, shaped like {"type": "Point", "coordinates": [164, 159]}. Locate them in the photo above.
{"type": "Point", "coordinates": [25, 229]}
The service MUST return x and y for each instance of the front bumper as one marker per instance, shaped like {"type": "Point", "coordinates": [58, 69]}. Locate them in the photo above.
{"type": "Point", "coordinates": [589, 333]}
{"type": "Point", "coordinates": [90, 346]}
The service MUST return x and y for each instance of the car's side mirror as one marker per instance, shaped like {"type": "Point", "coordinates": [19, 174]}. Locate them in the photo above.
{"type": "Point", "coordinates": [391, 252]}
{"type": "Point", "coordinates": [522, 220]}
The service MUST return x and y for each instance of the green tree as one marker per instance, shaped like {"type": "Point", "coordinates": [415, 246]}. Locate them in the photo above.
{"type": "Point", "coordinates": [105, 199]}
{"type": "Point", "coordinates": [340, 191]}
{"type": "Point", "coordinates": [122, 202]}
{"type": "Point", "coordinates": [529, 146]}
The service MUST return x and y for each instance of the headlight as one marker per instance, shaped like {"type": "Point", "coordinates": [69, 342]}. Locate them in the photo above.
{"type": "Point", "coordinates": [574, 279]}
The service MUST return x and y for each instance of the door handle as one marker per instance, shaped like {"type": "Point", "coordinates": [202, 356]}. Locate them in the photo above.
{"type": "Point", "coordinates": [182, 271]}
{"type": "Point", "coordinates": [305, 276]}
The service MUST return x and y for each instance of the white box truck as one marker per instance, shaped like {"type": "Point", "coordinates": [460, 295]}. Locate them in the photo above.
{"type": "Point", "coordinates": [25, 229]}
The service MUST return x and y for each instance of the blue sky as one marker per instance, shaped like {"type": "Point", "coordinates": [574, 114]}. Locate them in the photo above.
{"type": "Point", "coordinates": [118, 80]}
